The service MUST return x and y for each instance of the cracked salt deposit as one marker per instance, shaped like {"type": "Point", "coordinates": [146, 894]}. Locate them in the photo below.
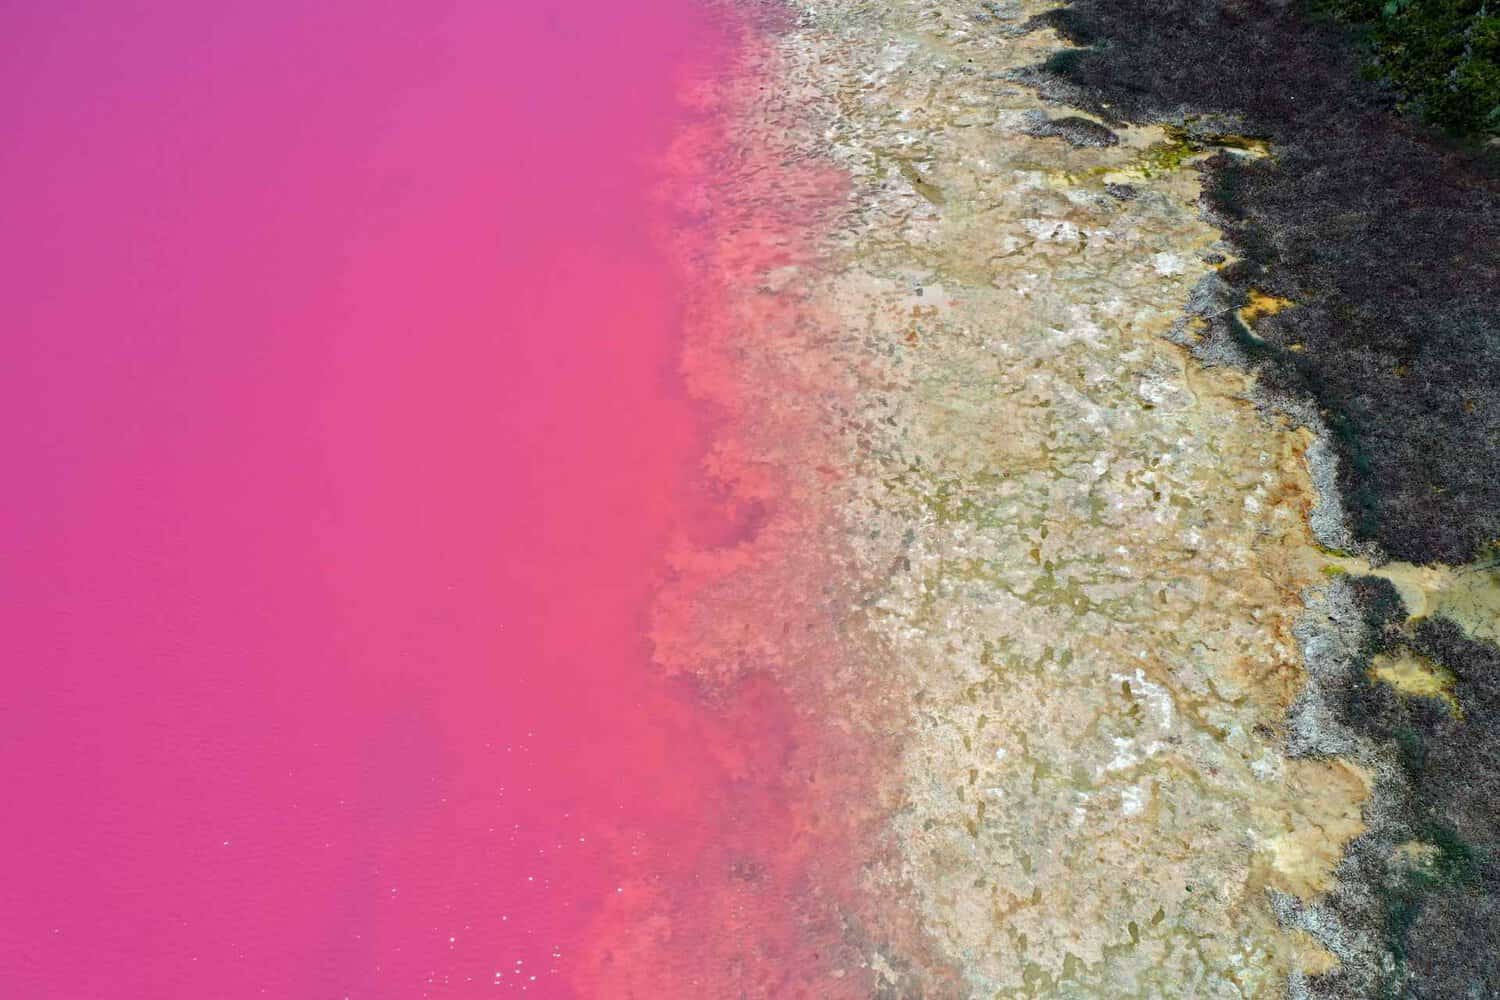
{"type": "Point", "coordinates": [1069, 558]}
{"type": "Point", "coordinates": [1099, 547]}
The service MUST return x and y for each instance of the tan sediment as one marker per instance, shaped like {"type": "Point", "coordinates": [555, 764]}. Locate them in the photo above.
{"type": "Point", "coordinates": [1015, 544]}
{"type": "Point", "coordinates": [1080, 554]}
{"type": "Point", "coordinates": [1469, 595]}
{"type": "Point", "coordinates": [1416, 855]}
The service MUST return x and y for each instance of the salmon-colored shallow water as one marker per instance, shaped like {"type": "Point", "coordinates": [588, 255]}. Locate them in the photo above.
{"type": "Point", "coordinates": [345, 439]}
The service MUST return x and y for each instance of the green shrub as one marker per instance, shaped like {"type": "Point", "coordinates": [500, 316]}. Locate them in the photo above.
{"type": "Point", "coordinates": [1441, 56]}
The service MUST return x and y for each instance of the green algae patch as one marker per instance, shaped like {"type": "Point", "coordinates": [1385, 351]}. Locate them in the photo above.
{"type": "Point", "coordinates": [921, 185]}
{"type": "Point", "coordinates": [1172, 154]}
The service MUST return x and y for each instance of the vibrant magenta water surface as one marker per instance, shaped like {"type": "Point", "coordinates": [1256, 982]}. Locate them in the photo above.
{"type": "Point", "coordinates": [342, 436]}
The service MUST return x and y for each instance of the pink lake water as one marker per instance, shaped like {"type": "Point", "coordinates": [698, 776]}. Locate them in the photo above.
{"type": "Point", "coordinates": [344, 436]}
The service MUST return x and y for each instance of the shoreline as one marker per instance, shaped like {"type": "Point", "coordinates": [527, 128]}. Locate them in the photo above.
{"type": "Point", "coordinates": [1061, 563]}
{"type": "Point", "coordinates": [1400, 643]}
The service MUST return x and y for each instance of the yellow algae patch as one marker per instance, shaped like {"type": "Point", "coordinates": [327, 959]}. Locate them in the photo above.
{"type": "Point", "coordinates": [1417, 677]}
{"type": "Point", "coordinates": [1245, 145]}
{"type": "Point", "coordinates": [1303, 859]}
{"type": "Point", "coordinates": [1170, 148]}
{"type": "Point", "coordinates": [1260, 305]}
{"type": "Point", "coordinates": [1468, 596]}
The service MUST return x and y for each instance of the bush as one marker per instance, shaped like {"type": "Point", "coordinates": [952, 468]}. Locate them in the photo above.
{"type": "Point", "coordinates": [1442, 56]}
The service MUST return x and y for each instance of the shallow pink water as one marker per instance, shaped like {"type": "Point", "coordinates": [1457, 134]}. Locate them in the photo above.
{"type": "Point", "coordinates": [339, 405]}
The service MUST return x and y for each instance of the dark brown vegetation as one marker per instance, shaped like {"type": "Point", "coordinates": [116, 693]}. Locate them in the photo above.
{"type": "Point", "coordinates": [1441, 920]}
{"type": "Point", "coordinates": [1385, 235]}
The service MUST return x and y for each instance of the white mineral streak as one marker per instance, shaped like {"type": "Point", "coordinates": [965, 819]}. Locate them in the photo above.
{"type": "Point", "coordinates": [1079, 553]}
